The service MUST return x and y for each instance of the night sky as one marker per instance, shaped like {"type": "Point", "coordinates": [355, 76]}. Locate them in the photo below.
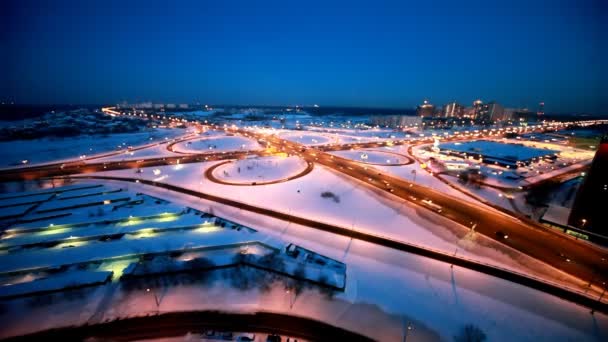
{"type": "Point", "coordinates": [372, 53]}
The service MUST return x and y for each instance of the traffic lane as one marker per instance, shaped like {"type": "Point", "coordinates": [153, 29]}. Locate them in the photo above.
{"type": "Point", "coordinates": [81, 167]}
{"type": "Point", "coordinates": [585, 262]}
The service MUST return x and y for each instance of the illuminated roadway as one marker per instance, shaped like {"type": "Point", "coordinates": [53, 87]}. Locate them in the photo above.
{"type": "Point", "coordinates": [574, 257]}
{"type": "Point", "coordinates": [588, 262]}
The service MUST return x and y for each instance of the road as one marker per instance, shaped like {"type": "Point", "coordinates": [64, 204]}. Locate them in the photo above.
{"type": "Point", "coordinates": [82, 167]}
{"type": "Point", "coordinates": [180, 323]}
{"type": "Point", "coordinates": [402, 245]}
{"type": "Point", "coordinates": [585, 261]}
{"type": "Point", "coordinates": [572, 256]}
{"type": "Point", "coordinates": [211, 177]}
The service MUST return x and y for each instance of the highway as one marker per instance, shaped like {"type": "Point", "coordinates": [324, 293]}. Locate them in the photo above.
{"type": "Point", "coordinates": [574, 257]}
{"type": "Point", "coordinates": [585, 261]}
{"type": "Point", "coordinates": [180, 323]}
{"type": "Point", "coordinates": [401, 245]}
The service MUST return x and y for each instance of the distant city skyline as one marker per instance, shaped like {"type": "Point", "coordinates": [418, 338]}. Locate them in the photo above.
{"type": "Point", "coordinates": [350, 54]}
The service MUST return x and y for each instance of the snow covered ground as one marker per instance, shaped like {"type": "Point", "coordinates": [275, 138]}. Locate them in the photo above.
{"type": "Point", "coordinates": [159, 150]}
{"type": "Point", "coordinates": [260, 169]}
{"type": "Point", "coordinates": [49, 149]}
{"type": "Point", "coordinates": [386, 290]}
{"type": "Point", "coordinates": [217, 143]}
{"type": "Point", "coordinates": [322, 137]}
{"type": "Point", "coordinates": [307, 138]}
{"type": "Point", "coordinates": [357, 206]}
{"type": "Point", "coordinates": [37, 256]}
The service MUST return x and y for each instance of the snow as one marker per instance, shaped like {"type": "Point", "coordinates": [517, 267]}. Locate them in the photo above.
{"type": "Point", "coordinates": [557, 214]}
{"type": "Point", "coordinates": [385, 289]}
{"type": "Point", "coordinates": [67, 188]}
{"type": "Point", "coordinates": [503, 151]}
{"type": "Point", "coordinates": [260, 169]}
{"type": "Point", "coordinates": [31, 251]}
{"type": "Point", "coordinates": [147, 242]}
{"type": "Point", "coordinates": [554, 173]}
{"type": "Point", "coordinates": [82, 201]}
{"type": "Point", "coordinates": [55, 282]}
{"type": "Point", "coordinates": [157, 150]}
{"type": "Point", "coordinates": [217, 143]}
{"type": "Point", "coordinates": [307, 138]}
{"type": "Point", "coordinates": [17, 210]}
{"type": "Point", "coordinates": [58, 149]}
{"type": "Point", "coordinates": [97, 229]}
{"type": "Point", "coordinates": [362, 208]}
{"type": "Point", "coordinates": [5, 202]}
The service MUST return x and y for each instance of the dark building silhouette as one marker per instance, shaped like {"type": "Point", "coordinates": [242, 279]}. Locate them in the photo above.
{"type": "Point", "coordinates": [425, 109]}
{"type": "Point", "coordinates": [590, 210]}
{"type": "Point", "coordinates": [477, 109]}
{"type": "Point", "coordinates": [525, 115]}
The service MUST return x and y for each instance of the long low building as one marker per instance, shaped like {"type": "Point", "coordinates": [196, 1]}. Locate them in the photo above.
{"type": "Point", "coordinates": [492, 152]}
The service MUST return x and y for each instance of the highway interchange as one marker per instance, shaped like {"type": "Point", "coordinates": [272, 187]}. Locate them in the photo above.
{"type": "Point", "coordinates": [559, 250]}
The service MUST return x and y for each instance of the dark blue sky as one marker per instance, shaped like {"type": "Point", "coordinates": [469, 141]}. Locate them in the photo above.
{"type": "Point", "coordinates": [371, 53]}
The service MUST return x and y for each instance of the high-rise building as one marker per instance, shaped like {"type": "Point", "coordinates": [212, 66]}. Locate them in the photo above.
{"type": "Point", "coordinates": [452, 110]}
{"type": "Point", "coordinates": [494, 111]}
{"type": "Point", "coordinates": [590, 204]}
{"type": "Point", "coordinates": [425, 109]}
{"type": "Point", "coordinates": [477, 109]}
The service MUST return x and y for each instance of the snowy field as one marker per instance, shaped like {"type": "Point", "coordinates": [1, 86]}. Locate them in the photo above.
{"type": "Point", "coordinates": [54, 149]}
{"type": "Point", "coordinates": [385, 290]}
{"type": "Point", "coordinates": [373, 157]}
{"type": "Point", "coordinates": [306, 138]}
{"type": "Point", "coordinates": [353, 204]}
{"type": "Point", "coordinates": [90, 234]}
{"type": "Point", "coordinates": [323, 137]}
{"type": "Point", "coordinates": [159, 150]}
{"type": "Point", "coordinates": [217, 143]}
{"type": "Point", "coordinates": [260, 169]}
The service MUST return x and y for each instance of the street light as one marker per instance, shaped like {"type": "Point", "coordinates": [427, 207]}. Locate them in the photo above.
{"type": "Point", "coordinates": [408, 328]}
{"type": "Point", "coordinates": [155, 298]}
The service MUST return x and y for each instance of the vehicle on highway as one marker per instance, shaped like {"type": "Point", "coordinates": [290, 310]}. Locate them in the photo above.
{"type": "Point", "coordinates": [430, 204]}
{"type": "Point", "coordinates": [502, 235]}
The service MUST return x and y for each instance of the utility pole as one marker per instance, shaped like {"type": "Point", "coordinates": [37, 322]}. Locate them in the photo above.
{"type": "Point", "coordinates": [408, 327]}
{"type": "Point", "coordinates": [155, 298]}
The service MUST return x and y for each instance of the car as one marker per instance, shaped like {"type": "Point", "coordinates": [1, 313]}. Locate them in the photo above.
{"type": "Point", "coordinates": [502, 235]}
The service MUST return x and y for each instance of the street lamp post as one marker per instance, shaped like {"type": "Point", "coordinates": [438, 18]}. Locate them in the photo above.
{"type": "Point", "coordinates": [291, 297]}
{"type": "Point", "coordinates": [408, 328]}
{"type": "Point", "coordinates": [155, 298]}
